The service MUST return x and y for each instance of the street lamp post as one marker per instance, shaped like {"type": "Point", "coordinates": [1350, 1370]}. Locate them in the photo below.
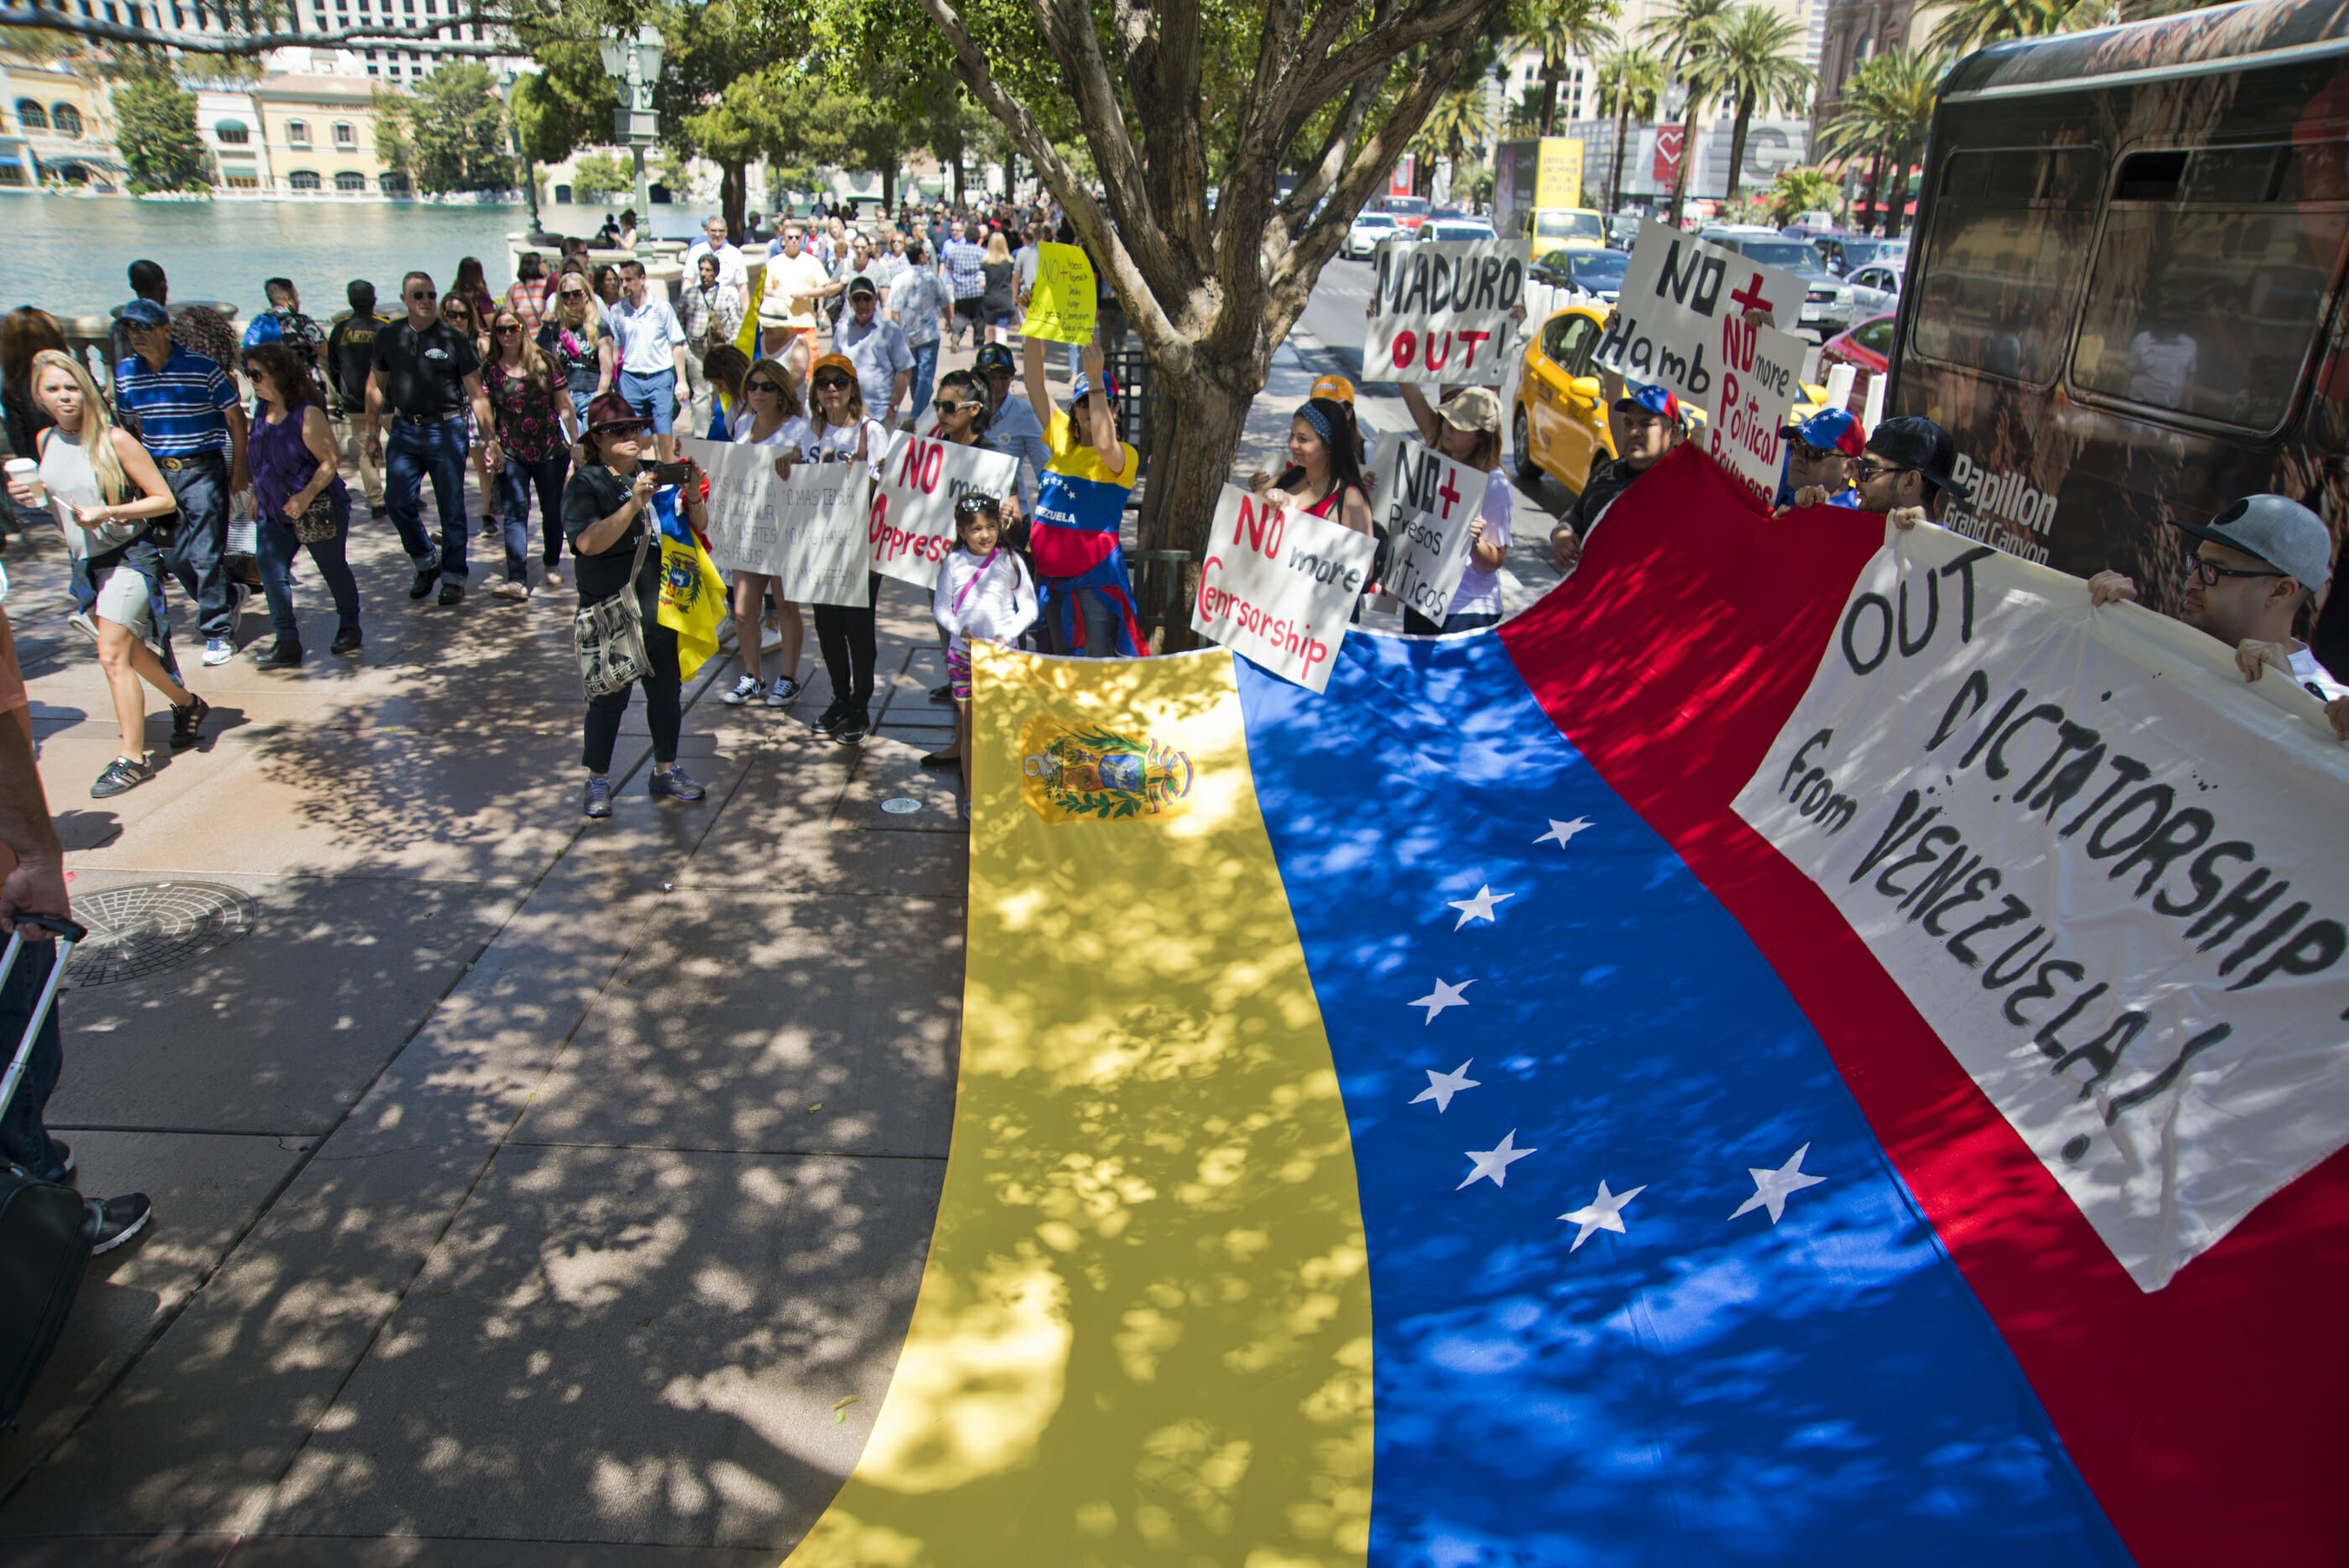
{"type": "Point", "coordinates": [506, 79]}
{"type": "Point", "coordinates": [635, 64]}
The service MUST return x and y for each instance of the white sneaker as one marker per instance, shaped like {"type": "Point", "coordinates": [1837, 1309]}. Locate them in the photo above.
{"type": "Point", "coordinates": [79, 620]}
{"type": "Point", "coordinates": [218, 650]}
{"type": "Point", "coordinates": [771, 638]}
{"type": "Point", "coordinates": [744, 689]}
{"type": "Point", "coordinates": [783, 693]}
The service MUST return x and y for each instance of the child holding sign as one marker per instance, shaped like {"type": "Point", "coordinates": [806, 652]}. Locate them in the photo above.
{"type": "Point", "coordinates": [983, 591]}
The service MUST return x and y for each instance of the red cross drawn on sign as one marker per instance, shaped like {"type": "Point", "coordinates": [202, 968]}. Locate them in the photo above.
{"type": "Point", "coordinates": [1450, 492]}
{"type": "Point", "coordinates": [1750, 296]}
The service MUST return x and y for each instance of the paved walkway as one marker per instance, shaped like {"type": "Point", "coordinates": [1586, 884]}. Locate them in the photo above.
{"type": "Point", "coordinates": [528, 1191]}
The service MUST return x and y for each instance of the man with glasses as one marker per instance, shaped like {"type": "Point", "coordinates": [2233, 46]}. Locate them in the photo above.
{"type": "Point", "coordinates": [733, 271]}
{"type": "Point", "coordinates": [1645, 419]}
{"type": "Point", "coordinates": [796, 281]}
{"type": "Point", "coordinates": [424, 376]}
{"type": "Point", "coordinates": [651, 343]}
{"type": "Point", "coordinates": [1820, 454]}
{"type": "Point", "coordinates": [185, 409]}
{"type": "Point", "coordinates": [876, 346]}
{"type": "Point", "coordinates": [1907, 468]}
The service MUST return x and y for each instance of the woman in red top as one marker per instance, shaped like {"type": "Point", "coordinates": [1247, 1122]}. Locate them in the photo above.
{"type": "Point", "coordinates": [530, 404]}
{"type": "Point", "coordinates": [1323, 476]}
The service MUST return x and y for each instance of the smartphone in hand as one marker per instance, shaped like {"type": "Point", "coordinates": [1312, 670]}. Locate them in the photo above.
{"type": "Point", "coordinates": [671, 473]}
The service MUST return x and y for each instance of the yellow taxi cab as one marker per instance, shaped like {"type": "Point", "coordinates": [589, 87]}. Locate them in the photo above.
{"type": "Point", "coordinates": [1565, 229]}
{"type": "Point", "coordinates": [1559, 425]}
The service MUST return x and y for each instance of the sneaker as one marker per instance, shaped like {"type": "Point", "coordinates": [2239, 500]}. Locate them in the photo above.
{"type": "Point", "coordinates": [79, 620]}
{"type": "Point", "coordinates": [279, 655]}
{"type": "Point", "coordinates": [122, 775]}
{"type": "Point", "coordinates": [453, 592]}
{"type": "Point", "coordinates": [943, 693]}
{"type": "Point", "coordinates": [830, 718]}
{"type": "Point", "coordinates": [742, 691]}
{"type": "Point", "coordinates": [599, 796]}
{"type": "Point", "coordinates": [347, 643]}
{"type": "Point", "coordinates": [676, 784]}
{"type": "Point", "coordinates": [554, 575]}
{"type": "Point", "coordinates": [492, 527]}
{"type": "Point", "coordinates": [508, 590]}
{"type": "Point", "coordinates": [853, 728]}
{"type": "Point", "coordinates": [771, 638]}
{"type": "Point", "coordinates": [120, 1218]}
{"type": "Point", "coordinates": [185, 719]}
{"type": "Point", "coordinates": [783, 692]}
{"type": "Point", "coordinates": [218, 650]}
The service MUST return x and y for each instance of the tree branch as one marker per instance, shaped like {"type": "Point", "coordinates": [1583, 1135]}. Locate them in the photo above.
{"type": "Point", "coordinates": [1422, 24]}
{"type": "Point", "coordinates": [262, 43]}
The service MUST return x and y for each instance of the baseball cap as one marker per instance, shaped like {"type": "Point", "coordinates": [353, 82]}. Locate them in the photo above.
{"type": "Point", "coordinates": [833, 361]}
{"type": "Point", "coordinates": [1083, 386]}
{"type": "Point", "coordinates": [612, 412]}
{"type": "Point", "coordinates": [1336, 388]}
{"type": "Point", "coordinates": [146, 313]}
{"type": "Point", "coordinates": [1653, 397]}
{"type": "Point", "coordinates": [1914, 441]}
{"type": "Point", "coordinates": [1472, 409]}
{"type": "Point", "coordinates": [1829, 430]}
{"type": "Point", "coordinates": [2279, 530]}
{"type": "Point", "coordinates": [994, 356]}
{"type": "Point", "coordinates": [861, 285]}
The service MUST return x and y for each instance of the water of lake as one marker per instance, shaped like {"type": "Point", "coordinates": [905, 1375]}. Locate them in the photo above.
{"type": "Point", "coordinates": [70, 255]}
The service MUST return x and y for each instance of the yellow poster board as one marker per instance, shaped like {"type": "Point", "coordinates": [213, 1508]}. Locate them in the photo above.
{"type": "Point", "coordinates": [1062, 308]}
{"type": "Point", "coordinates": [1557, 179]}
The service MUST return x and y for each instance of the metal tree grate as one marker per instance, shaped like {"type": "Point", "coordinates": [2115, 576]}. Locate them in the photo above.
{"type": "Point", "coordinates": [152, 928]}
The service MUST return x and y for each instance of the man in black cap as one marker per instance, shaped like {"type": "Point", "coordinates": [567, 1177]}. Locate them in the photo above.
{"type": "Point", "coordinates": [1908, 468]}
{"type": "Point", "coordinates": [876, 346]}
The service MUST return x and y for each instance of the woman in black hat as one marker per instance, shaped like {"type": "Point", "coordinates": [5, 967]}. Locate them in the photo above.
{"type": "Point", "coordinates": [604, 508]}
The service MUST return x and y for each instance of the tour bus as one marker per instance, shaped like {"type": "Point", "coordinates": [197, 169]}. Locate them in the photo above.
{"type": "Point", "coordinates": [2125, 297]}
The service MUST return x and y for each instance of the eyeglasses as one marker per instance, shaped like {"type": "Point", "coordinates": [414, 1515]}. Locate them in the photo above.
{"type": "Point", "coordinates": [948, 405]}
{"type": "Point", "coordinates": [1871, 469]}
{"type": "Point", "coordinates": [571, 293]}
{"type": "Point", "coordinates": [831, 384]}
{"type": "Point", "coordinates": [2209, 572]}
{"type": "Point", "coordinates": [505, 327]}
{"type": "Point", "coordinates": [423, 294]}
{"type": "Point", "coordinates": [760, 387]}
{"type": "Point", "coordinates": [1810, 454]}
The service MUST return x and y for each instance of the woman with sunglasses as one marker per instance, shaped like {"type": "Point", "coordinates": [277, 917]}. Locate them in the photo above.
{"type": "Point", "coordinates": [771, 416]}
{"type": "Point", "coordinates": [574, 337]}
{"type": "Point", "coordinates": [457, 311]}
{"type": "Point", "coordinates": [295, 471]}
{"type": "Point", "coordinates": [840, 431]}
{"type": "Point", "coordinates": [532, 412]}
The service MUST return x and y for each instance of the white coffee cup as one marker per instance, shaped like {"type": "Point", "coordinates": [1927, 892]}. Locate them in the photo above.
{"type": "Point", "coordinates": [25, 471]}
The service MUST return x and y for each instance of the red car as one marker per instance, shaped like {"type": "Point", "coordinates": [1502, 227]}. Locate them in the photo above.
{"type": "Point", "coordinates": [1868, 346]}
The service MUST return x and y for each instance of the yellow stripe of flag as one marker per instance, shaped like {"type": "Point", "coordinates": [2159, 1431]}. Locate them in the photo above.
{"type": "Point", "coordinates": [1143, 1332]}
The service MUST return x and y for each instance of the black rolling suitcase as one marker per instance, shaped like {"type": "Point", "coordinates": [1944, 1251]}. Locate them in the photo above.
{"type": "Point", "coordinates": [45, 1228]}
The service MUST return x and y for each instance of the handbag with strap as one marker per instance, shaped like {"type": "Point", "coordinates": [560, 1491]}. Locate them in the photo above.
{"type": "Point", "coordinates": [317, 524]}
{"type": "Point", "coordinates": [610, 633]}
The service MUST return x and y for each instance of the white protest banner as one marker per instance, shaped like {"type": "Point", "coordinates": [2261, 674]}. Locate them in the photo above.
{"type": "Point", "coordinates": [1426, 502]}
{"type": "Point", "coordinates": [822, 511]}
{"type": "Point", "coordinates": [912, 525]}
{"type": "Point", "coordinates": [744, 533]}
{"type": "Point", "coordinates": [1761, 368]}
{"type": "Point", "coordinates": [1442, 312]}
{"type": "Point", "coordinates": [2108, 871]}
{"type": "Point", "coordinates": [1677, 289]}
{"type": "Point", "coordinates": [1278, 585]}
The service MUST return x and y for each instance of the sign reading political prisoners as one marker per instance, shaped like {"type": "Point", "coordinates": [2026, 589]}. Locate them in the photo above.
{"type": "Point", "coordinates": [1426, 502]}
{"type": "Point", "coordinates": [1677, 291]}
{"type": "Point", "coordinates": [1442, 312]}
{"type": "Point", "coordinates": [913, 526]}
{"type": "Point", "coordinates": [809, 531]}
{"type": "Point", "coordinates": [1761, 368]}
{"type": "Point", "coordinates": [1278, 585]}
{"type": "Point", "coordinates": [2107, 871]}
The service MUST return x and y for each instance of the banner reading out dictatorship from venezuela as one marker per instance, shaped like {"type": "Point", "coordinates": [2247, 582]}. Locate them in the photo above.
{"type": "Point", "coordinates": [1506, 1108]}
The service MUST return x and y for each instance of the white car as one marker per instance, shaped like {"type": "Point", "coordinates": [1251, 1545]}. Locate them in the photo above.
{"type": "Point", "coordinates": [1456, 229]}
{"type": "Point", "coordinates": [1875, 289]}
{"type": "Point", "coordinates": [1369, 228]}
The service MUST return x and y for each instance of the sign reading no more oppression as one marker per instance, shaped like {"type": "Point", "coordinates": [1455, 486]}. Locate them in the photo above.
{"type": "Point", "coordinates": [1443, 311]}
{"type": "Point", "coordinates": [1278, 585]}
{"type": "Point", "coordinates": [913, 519]}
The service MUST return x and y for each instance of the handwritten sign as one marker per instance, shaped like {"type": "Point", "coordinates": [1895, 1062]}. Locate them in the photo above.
{"type": "Point", "coordinates": [1760, 379]}
{"type": "Point", "coordinates": [1677, 291]}
{"type": "Point", "coordinates": [1442, 310]}
{"type": "Point", "coordinates": [1061, 307]}
{"type": "Point", "coordinates": [1426, 502]}
{"type": "Point", "coordinates": [2067, 835]}
{"type": "Point", "coordinates": [810, 531]}
{"type": "Point", "coordinates": [1278, 585]}
{"type": "Point", "coordinates": [912, 525]}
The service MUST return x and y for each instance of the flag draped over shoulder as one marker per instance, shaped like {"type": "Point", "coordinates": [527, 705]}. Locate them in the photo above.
{"type": "Point", "coordinates": [1424, 1123]}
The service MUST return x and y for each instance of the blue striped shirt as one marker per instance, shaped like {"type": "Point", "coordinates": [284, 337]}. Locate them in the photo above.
{"type": "Point", "coordinates": [178, 408]}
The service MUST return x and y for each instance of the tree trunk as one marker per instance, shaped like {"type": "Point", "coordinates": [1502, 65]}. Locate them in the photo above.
{"type": "Point", "coordinates": [1900, 195]}
{"type": "Point", "coordinates": [1867, 207]}
{"type": "Point", "coordinates": [1549, 99]}
{"type": "Point", "coordinates": [733, 195]}
{"type": "Point", "coordinates": [888, 187]}
{"type": "Point", "coordinates": [1737, 146]}
{"type": "Point", "coordinates": [1622, 135]}
{"type": "Point", "coordinates": [1195, 427]}
{"type": "Point", "coordinates": [960, 196]}
{"type": "Point", "coordinates": [1681, 173]}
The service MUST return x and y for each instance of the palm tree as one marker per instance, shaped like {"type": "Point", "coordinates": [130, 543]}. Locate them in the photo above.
{"type": "Point", "coordinates": [1976, 24]}
{"type": "Point", "coordinates": [1630, 83]}
{"type": "Point", "coordinates": [1456, 123]}
{"type": "Point", "coordinates": [1756, 73]}
{"type": "Point", "coordinates": [1562, 29]}
{"type": "Point", "coordinates": [1885, 115]}
{"type": "Point", "coordinates": [1800, 190]}
{"type": "Point", "coordinates": [1690, 33]}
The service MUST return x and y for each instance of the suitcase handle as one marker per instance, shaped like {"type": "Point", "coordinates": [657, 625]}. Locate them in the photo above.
{"type": "Point", "coordinates": [69, 934]}
{"type": "Point", "coordinates": [56, 925]}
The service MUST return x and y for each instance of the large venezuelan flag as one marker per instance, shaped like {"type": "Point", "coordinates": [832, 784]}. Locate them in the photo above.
{"type": "Point", "coordinates": [1422, 1124]}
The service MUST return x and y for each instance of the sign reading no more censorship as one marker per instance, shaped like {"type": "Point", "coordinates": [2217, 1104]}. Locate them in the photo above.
{"type": "Point", "coordinates": [1426, 502]}
{"type": "Point", "coordinates": [1278, 585]}
{"type": "Point", "coordinates": [913, 521]}
{"type": "Point", "coordinates": [809, 531]}
{"type": "Point", "coordinates": [1677, 292]}
{"type": "Point", "coordinates": [1442, 310]}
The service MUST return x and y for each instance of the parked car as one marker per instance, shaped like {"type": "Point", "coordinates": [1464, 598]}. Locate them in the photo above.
{"type": "Point", "coordinates": [1368, 229]}
{"type": "Point", "coordinates": [1409, 211]}
{"type": "Point", "coordinates": [1868, 348]}
{"type": "Point", "coordinates": [1558, 426]}
{"type": "Point", "coordinates": [1876, 288]}
{"type": "Point", "coordinates": [1456, 229]}
{"type": "Point", "coordinates": [1827, 302]}
{"type": "Point", "coordinates": [1568, 276]}
{"type": "Point", "coordinates": [1450, 212]}
{"type": "Point", "coordinates": [1846, 253]}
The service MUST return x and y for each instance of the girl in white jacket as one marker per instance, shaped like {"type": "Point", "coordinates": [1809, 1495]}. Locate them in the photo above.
{"type": "Point", "coordinates": [984, 592]}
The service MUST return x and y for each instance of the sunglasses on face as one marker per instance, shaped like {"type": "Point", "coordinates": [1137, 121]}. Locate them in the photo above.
{"type": "Point", "coordinates": [1871, 469]}
{"type": "Point", "coordinates": [423, 294]}
{"type": "Point", "coordinates": [504, 328]}
{"type": "Point", "coordinates": [948, 405]}
{"type": "Point", "coordinates": [830, 384]}
{"type": "Point", "coordinates": [573, 293]}
{"type": "Point", "coordinates": [1810, 454]}
{"type": "Point", "coordinates": [760, 387]}
{"type": "Point", "coordinates": [2209, 572]}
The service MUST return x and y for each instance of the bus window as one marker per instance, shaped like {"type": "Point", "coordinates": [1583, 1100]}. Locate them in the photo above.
{"type": "Point", "coordinates": [2210, 284]}
{"type": "Point", "coordinates": [2001, 267]}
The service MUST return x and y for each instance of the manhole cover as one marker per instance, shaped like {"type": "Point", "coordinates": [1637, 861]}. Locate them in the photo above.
{"type": "Point", "coordinates": [901, 805]}
{"type": "Point", "coordinates": [152, 928]}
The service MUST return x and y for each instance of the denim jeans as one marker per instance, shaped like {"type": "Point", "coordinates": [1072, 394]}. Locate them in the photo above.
{"type": "Point", "coordinates": [24, 1137]}
{"type": "Point", "coordinates": [274, 536]}
{"type": "Point", "coordinates": [199, 536]}
{"type": "Point", "coordinates": [926, 374]}
{"type": "Point", "coordinates": [516, 481]}
{"type": "Point", "coordinates": [410, 453]}
{"type": "Point", "coordinates": [653, 396]}
{"type": "Point", "coordinates": [664, 712]}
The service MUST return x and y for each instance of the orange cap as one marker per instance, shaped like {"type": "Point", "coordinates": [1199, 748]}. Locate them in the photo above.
{"type": "Point", "coordinates": [833, 361]}
{"type": "Point", "coordinates": [1336, 386]}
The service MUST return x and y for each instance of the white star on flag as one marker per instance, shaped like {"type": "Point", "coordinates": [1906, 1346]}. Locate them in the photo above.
{"type": "Point", "coordinates": [1771, 1188]}
{"type": "Point", "coordinates": [1604, 1212]}
{"type": "Point", "coordinates": [1495, 1161]}
{"type": "Point", "coordinates": [1441, 997]}
{"type": "Point", "coordinates": [1441, 1086]}
{"type": "Point", "coordinates": [1562, 831]}
{"type": "Point", "coordinates": [1479, 908]}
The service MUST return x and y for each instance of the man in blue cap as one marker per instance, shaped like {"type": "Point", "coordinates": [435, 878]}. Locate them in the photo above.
{"type": "Point", "coordinates": [1821, 452]}
{"type": "Point", "coordinates": [1645, 420]}
{"type": "Point", "coordinates": [185, 409]}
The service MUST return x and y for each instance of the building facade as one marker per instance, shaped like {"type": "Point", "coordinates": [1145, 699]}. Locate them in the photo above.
{"type": "Point", "coordinates": [57, 128]}
{"type": "Point", "coordinates": [1858, 30]}
{"type": "Point", "coordinates": [316, 137]}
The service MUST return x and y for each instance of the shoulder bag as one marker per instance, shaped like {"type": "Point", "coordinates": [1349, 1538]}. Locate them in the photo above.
{"type": "Point", "coordinates": [610, 633]}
